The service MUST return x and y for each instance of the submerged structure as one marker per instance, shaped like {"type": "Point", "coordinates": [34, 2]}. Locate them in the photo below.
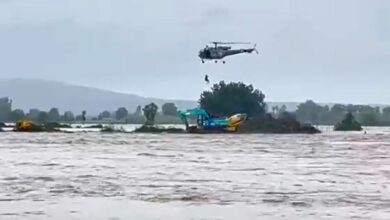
{"type": "Point", "coordinates": [200, 121]}
{"type": "Point", "coordinates": [25, 126]}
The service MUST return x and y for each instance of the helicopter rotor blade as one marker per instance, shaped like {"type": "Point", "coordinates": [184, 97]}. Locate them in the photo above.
{"type": "Point", "coordinates": [218, 42]}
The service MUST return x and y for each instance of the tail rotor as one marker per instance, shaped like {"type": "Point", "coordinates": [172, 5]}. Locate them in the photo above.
{"type": "Point", "coordinates": [254, 49]}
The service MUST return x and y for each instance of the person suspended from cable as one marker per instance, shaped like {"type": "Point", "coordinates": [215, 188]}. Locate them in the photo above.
{"type": "Point", "coordinates": [206, 79]}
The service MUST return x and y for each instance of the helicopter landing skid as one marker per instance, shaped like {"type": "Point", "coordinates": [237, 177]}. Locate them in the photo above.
{"type": "Point", "coordinates": [215, 61]}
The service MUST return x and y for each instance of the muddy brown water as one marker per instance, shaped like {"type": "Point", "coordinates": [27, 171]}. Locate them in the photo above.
{"type": "Point", "coordinates": [145, 176]}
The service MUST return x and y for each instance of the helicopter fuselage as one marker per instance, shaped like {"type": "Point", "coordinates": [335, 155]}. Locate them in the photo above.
{"type": "Point", "coordinates": [215, 53]}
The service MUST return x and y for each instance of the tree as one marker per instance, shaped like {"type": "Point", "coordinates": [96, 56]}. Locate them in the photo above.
{"type": "Point", "coordinates": [150, 112]}
{"type": "Point", "coordinates": [104, 114]}
{"type": "Point", "coordinates": [83, 115]}
{"type": "Point", "coordinates": [282, 110]}
{"type": "Point", "coordinates": [17, 115]}
{"type": "Point", "coordinates": [338, 112]}
{"type": "Point", "coordinates": [386, 115]}
{"type": "Point", "coordinates": [386, 112]}
{"type": "Point", "coordinates": [275, 110]}
{"type": "Point", "coordinates": [169, 109]}
{"type": "Point", "coordinates": [42, 117]}
{"type": "Point", "coordinates": [121, 113]}
{"type": "Point", "coordinates": [5, 108]}
{"type": "Point", "coordinates": [232, 98]}
{"type": "Point", "coordinates": [68, 116]}
{"type": "Point", "coordinates": [79, 118]}
{"type": "Point", "coordinates": [33, 114]}
{"type": "Point", "coordinates": [135, 119]}
{"type": "Point", "coordinates": [53, 115]}
{"type": "Point", "coordinates": [348, 124]}
{"type": "Point", "coordinates": [309, 112]}
{"type": "Point", "coordinates": [138, 111]}
{"type": "Point", "coordinates": [369, 118]}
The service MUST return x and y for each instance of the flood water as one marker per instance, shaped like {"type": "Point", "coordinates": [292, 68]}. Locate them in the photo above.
{"type": "Point", "coordinates": [144, 176]}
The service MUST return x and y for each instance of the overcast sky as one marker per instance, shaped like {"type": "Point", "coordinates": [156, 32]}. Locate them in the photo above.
{"type": "Point", "coordinates": [326, 50]}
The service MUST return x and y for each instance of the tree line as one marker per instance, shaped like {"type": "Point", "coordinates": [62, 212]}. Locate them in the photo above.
{"type": "Point", "coordinates": [223, 99]}
{"type": "Point", "coordinates": [228, 99]}
{"type": "Point", "coordinates": [8, 114]}
{"type": "Point", "coordinates": [367, 115]}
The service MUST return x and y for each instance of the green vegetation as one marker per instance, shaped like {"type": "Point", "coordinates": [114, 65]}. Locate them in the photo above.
{"type": "Point", "coordinates": [50, 125]}
{"type": "Point", "coordinates": [156, 129]}
{"type": "Point", "coordinates": [95, 126]}
{"type": "Point", "coordinates": [136, 119]}
{"type": "Point", "coordinates": [138, 111]}
{"type": "Point", "coordinates": [53, 115]}
{"type": "Point", "coordinates": [150, 112]}
{"type": "Point", "coordinates": [223, 99]}
{"type": "Point", "coordinates": [329, 115]}
{"type": "Point", "coordinates": [348, 124]}
{"type": "Point", "coordinates": [232, 98]}
{"type": "Point", "coordinates": [104, 115]}
{"type": "Point", "coordinates": [169, 112]}
{"type": "Point", "coordinates": [5, 109]}
{"type": "Point", "coordinates": [277, 111]}
{"type": "Point", "coordinates": [49, 129]}
{"type": "Point", "coordinates": [42, 117]}
{"type": "Point", "coordinates": [167, 119]}
{"type": "Point", "coordinates": [284, 124]}
{"type": "Point", "coordinates": [68, 116]}
{"type": "Point", "coordinates": [17, 115]}
{"type": "Point", "coordinates": [2, 125]}
{"type": "Point", "coordinates": [169, 109]}
{"type": "Point", "coordinates": [84, 115]}
{"type": "Point", "coordinates": [121, 113]}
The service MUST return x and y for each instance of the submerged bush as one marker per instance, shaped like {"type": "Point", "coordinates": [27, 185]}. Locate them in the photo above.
{"type": "Point", "coordinates": [348, 124]}
{"type": "Point", "coordinates": [155, 129]}
{"type": "Point", "coordinates": [51, 125]}
{"type": "Point", "coordinates": [95, 126]}
{"type": "Point", "coordinates": [150, 112]}
{"type": "Point", "coordinates": [285, 124]}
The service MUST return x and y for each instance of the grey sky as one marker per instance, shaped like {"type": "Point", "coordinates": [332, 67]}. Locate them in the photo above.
{"type": "Point", "coordinates": [326, 50]}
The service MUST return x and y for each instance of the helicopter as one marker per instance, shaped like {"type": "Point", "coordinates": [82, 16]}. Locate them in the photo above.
{"type": "Point", "coordinates": [219, 52]}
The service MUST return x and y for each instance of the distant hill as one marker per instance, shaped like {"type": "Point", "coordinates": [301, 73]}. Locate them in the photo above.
{"type": "Point", "coordinates": [42, 94]}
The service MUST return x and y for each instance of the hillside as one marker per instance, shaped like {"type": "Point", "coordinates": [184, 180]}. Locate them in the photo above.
{"type": "Point", "coordinates": [42, 94]}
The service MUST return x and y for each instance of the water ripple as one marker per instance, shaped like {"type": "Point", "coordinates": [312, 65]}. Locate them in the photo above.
{"type": "Point", "coordinates": [341, 176]}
